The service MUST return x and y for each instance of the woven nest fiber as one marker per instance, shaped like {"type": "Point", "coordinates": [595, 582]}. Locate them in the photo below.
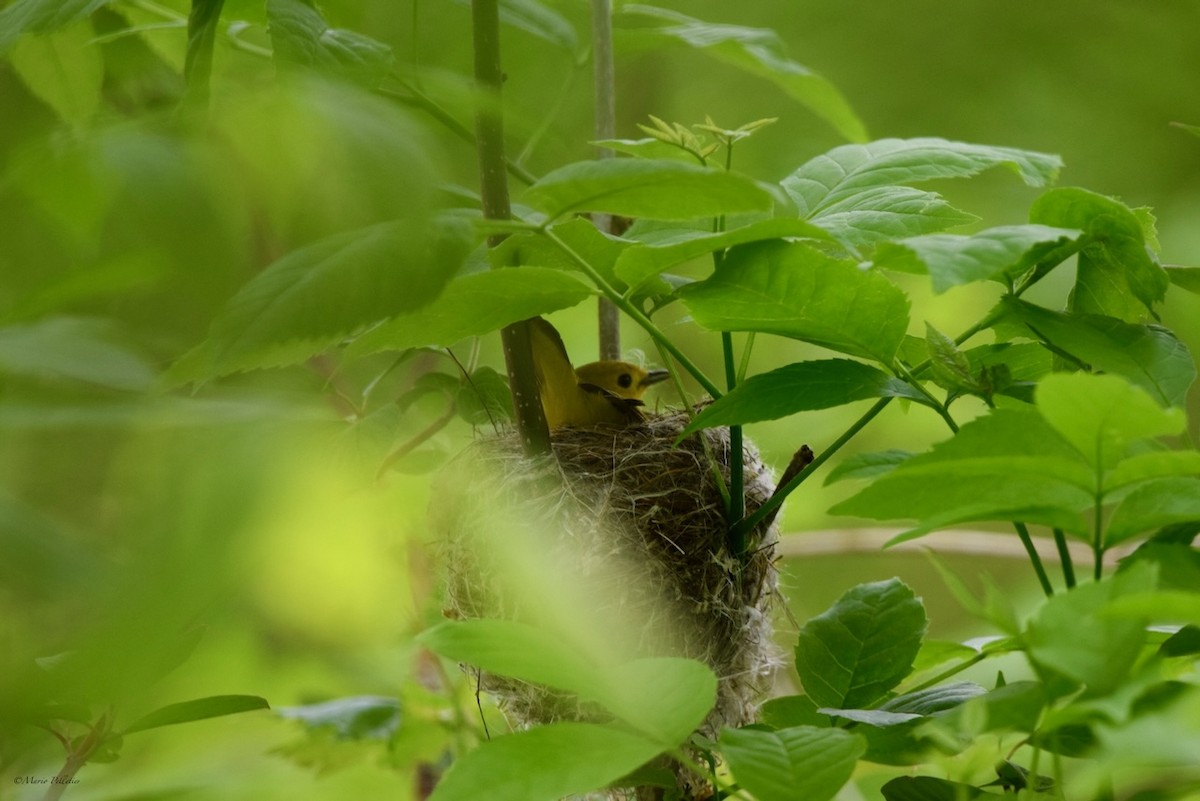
{"type": "Point", "coordinates": [640, 520]}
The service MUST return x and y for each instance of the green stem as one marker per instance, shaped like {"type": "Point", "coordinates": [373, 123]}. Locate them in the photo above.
{"type": "Point", "coordinates": [1064, 556]}
{"type": "Point", "coordinates": [634, 313]}
{"type": "Point", "coordinates": [934, 403]}
{"type": "Point", "coordinates": [1038, 567]}
{"type": "Point", "coordinates": [950, 672]}
{"type": "Point", "coordinates": [744, 367]}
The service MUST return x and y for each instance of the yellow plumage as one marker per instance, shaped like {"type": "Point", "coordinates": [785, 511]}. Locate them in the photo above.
{"type": "Point", "coordinates": [599, 393]}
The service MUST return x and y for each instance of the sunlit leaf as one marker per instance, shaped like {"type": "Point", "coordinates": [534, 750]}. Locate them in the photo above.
{"type": "Point", "coordinates": [884, 213]}
{"type": "Point", "coordinates": [799, 762]}
{"type": "Point", "coordinates": [1152, 505]}
{"type": "Point", "coordinates": [796, 291]}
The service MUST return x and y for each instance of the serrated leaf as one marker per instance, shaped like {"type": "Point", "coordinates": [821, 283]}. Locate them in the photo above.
{"type": "Point", "coordinates": [301, 38]}
{"type": "Point", "coordinates": [1157, 503]}
{"type": "Point", "coordinates": [800, 387]}
{"type": "Point", "coordinates": [41, 16]}
{"type": "Point", "coordinates": [952, 260]}
{"type": "Point", "coordinates": [862, 646]}
{"type": "Point", "coordinates": [758, 51]}
{"type": "Point", "coordinates": [476, 304]}
{"type": "Point", "coordinates": [884, 213]}
{"type": "Point", "coordinates": [636, 265]}
{"type": "Point", "coordinates": [851, 169]}
{"type": "Point", "coordinates": [1117, 274]}
{"type": "Point", "coordinates": [64, 69]}
{"type": "Point", "coordinates": [543, 763]}
{"type": "Point", "coordinates": [75, 349]}
{"type": "Point", "coordinates": [316, 296]}
{"type": "Point", "coordinates": [799, 762]}
{"type": "Point", "coordinates": [199, 709]}
{"type": "Point", "coordinates": [658, 189]}
{"type": "Point", "coordinates": [1148, 355]}
{"type": "Point", "coordinates": [1102, 415]}
{"type": "Point", "coordinates": [361, 717]}
{"type": "Point", "coordinates": [867, 465]}
{"type": "Point", "coordinates": [795, 291]}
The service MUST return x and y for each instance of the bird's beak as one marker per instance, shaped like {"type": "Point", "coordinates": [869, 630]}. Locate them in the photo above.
{"type": "Point", "coordinates": [654, 376]}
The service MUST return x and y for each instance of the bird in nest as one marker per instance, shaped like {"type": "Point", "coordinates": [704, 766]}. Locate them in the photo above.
{"type": "Point", "coordinates": [599, 393]}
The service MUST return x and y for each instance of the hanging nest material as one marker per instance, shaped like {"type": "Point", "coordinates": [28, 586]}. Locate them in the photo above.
{"type": "Point", "coordinates": [641, 521]}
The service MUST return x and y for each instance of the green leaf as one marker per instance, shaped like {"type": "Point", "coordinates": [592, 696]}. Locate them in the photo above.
{"type": "Point", "coordinates": [658, 189]}
{"type": "Point", "coordinates": [867, 465]}
{"type": "Point", "coordinates": [878, 718]}
{"type": "Point", "coordinates": [580, 235]}
{"type": "Point", "coordinates": [1009, 465]}
{"type": "Point", "coordinates": [203, 21]}
{"type": "Point", "coordinates": [951, 368]}
{"type": "Point", "coordinates": [1117, 275]}
{"type": "Point", "coordinates": [791, 710]}
{"type": "Point", "coordinates": [1185, 642]}
{"type": "Point", "coordinates": [1148, 355]}
{"type": "Point", "coordinates": [545, 763]}
{"type": "Point", "coordinates": [476, 304]}
{"type": "Point", "coordinates": [883, 213]}
{"type": "Point", "coordinates": [648, 148]}
{"type": "Point", "coordinates": [361, 717]}
{"type": "Point", "coordinates": [41, 16]}
{"type": "Point", "coordinates": [799, 387]}
{"type": "Point", "coordinates": [952, 260]}
{"type": "Point", "coordinates": [1152, 505]}
{"type": "Point", "coordinates": [862, 646]}
{"type": "Point", "coordinates": [935, 699]}
{"type": "Point", "coordinates": [301, 38]}
{"type": "Point", "coordinates": [64, 69]}
{"type": "Point", "coordinates": [541, 21]}
{"type": "Point", "coordinates": [638, 264]}
{"type": "Point", "coordinates": [796, 291]}
{"type": "Point", "coordinates": [1073, 636]}
{"type": "Point", "coordinates": [929, 788]}
{"type": "Point", "coordinates": [75, 349]}
{"type": "Point", "coordinates": [200, 709]}
{"type": "Point", "coordinates": [485, 398]}
{"type": "Point", "coordinates": [799, 762]}
{"type": "Point", "coordinates": [1184, 277]}
{"type": "Point", "coordinates": [1155, 464]}
{"type": "Point", "coordinates": [663, 698]}
{"type": "Point", "coordinates": [1102, 415]}
{"type": "Point", "coordinates": [316, 296]}
{"type": "Point", "coordinates": [849, 170]}
{"type": "Point", "coordinates": [757, 51]}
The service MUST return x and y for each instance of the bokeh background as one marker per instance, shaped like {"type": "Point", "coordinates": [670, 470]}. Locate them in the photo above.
{"type": "Point", "coordinates": [241, 520]}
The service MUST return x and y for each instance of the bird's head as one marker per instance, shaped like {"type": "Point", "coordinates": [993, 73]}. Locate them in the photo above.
{"type": "Point", "coordinates": [622, 379]}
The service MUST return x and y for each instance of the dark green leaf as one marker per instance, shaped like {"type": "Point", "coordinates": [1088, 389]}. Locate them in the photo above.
{"type": "Point", "coordinates": [1185, 642]}
{"type": "Point", "coordinates": [314, 297]}
{"type": "Point", "coordinates": [952, 260]}
{"type": "Point", "coordinates": [1157, 503]}
{"type": "Point", "coordinates": [800, 762]}
{"type": "Point", "coordinates": [951, 368]}
{"type": "Point", "coordinates": [791, 710]}
{"type": "Point", "coordinates": [476, 304]}
{"type": "Point", "coordinates": [878, 718]}
{"type": "Point", "coordinates": [1148, 355]}
{"type": "Point", "coordinates": [545, 764]}
{"type": "Point", "coordinates": [362, 717]}
{"type": "Point", "coordinates": [203, 22]}
{"type": "Point", "coordinates": [638, 264]}
{"type": "Point", "coordinates": [199, 709]}
{"type": "Point", "coordinates": [658, 189]}
{"type": "Point", "coordinates": [757, 51]}
{"type": "Point", "coordinates": [862, 646]}
{"type": "Point", "coordinates": [935, 699]}
{"type": "Point", "coordinates": [41, 16]}
{"type": "Point", "coordinates": [1118, 275]}
{"type": "Point", "coordinates": [793, 290]}
{"type": "Point", "coordinates": [849, 170]}
{"type": "Point", "coordinates": [867, 465]}
{"type": "Point", "coordinates": [929, 788]}
{"type": "Point", "coordinates": [484, 399]}
{"type": "Point", "coordinates": [302, 38]}
{"type": "Point", "coordinates": [799, 387]}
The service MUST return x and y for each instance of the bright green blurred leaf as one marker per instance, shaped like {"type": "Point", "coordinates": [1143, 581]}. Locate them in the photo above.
{"type": "Point", "coordinates": [301, 37]}
{"type": "Point", "coordinates": [658, 189]}
{"type": "Point", "coordinates": [1102, 415]}
{"type": "Point", "coordinates": [799, 387]}
{"type": "Point", "coordinates": [796, 291]}
{"type": "Point", "coordinates": [1152, 505]}
{"type": "Point", "coordinates": [862, 646]}
{"type": "Point", "coordinates": [477, 304]}
{"type": "Point", "coordinates": [952, 260]}
{"type": "Point", "coordinates": [1117, 274]}
{"type": "Point", "coordinates": [73, 348]}
{"type": "Point", "coordinates": [199, 709]}
{"type": "Point", "coordinates": [798, 762]}
{"type": "Point", "coordinates": [64, 69]}
{"type": "Point", "coordinates": [663, 698]}
{"type": "Point", "coordinates": [41, 16]}
{"type": "Point", "coordinates": [757, 51]}
{"type": "Point", "coordinates": [545, 763]}
{"type": "Point", "coordinates": [1184, 277]}
{"type": "Point", "coordinates": [1148, 355]}
{"type": "Point", "coordinates": [1156, 464]}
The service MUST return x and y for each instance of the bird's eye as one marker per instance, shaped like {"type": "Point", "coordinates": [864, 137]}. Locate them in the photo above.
{"type": "Point", "coordinates": [625, 380]}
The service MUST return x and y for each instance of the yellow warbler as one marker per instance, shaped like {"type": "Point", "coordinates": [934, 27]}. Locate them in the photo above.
{"type": "Point", "coordinates": [604, 392]}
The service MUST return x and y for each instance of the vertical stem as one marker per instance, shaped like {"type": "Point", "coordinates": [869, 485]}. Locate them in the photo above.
{"type": "Point", "coordinates": [1027, 541]}
{"type": "Point", "coordinates": [1064, 556]}
{"type": "Point", "coordinates": [197, 63]}
{"type": "Point", "coordinates": [604, 95]}
{"type": "Point", "coordinates": [493, 185]}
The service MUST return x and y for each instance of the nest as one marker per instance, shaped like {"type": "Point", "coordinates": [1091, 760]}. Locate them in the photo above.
{"type": "Point", "coordinates": [640, 523]}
